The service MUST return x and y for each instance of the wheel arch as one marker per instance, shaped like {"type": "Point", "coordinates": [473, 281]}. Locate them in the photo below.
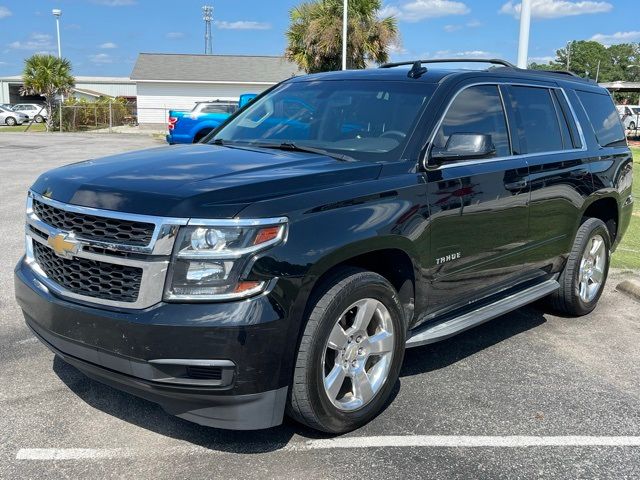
{"type": "Point", "coordinates": [607, 209]}
{"type": "Point", "coordinates": [392, 257]}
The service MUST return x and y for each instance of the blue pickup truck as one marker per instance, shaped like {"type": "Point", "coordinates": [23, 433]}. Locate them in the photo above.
{"type": "Point", "coordinates": [194, 125]}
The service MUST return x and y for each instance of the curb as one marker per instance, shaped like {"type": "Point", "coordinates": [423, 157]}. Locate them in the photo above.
{"type": "Point", "coordinates": [631, 288]}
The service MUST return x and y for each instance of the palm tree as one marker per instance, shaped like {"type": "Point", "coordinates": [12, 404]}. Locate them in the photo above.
{"type": "Point", "coordinates": [48, 76]}
{"type": "Point", "coordinates": [315, 35]}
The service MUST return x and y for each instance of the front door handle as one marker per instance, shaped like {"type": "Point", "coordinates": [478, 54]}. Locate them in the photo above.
{"type": "Point", "coordinates": [519, 185]}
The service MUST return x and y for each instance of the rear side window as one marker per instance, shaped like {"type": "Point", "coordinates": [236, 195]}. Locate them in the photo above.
{"type": "Point", "coordinates": [476, 110]}
{"type": "Point", "coordinates": [604, 118]}
{"type": "Point", "coordinates": [538, 122]}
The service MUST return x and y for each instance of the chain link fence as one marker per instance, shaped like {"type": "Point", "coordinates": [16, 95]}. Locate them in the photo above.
{"type": "Point", "coordinates": [98, 116]}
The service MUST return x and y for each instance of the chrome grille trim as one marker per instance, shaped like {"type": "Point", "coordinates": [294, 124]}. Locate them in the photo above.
{"type": "Point", "coordinates": [153, 258]}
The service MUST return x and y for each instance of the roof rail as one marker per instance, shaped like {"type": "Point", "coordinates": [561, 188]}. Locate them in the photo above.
{"type": "Point", "coordinates": [493, 61]}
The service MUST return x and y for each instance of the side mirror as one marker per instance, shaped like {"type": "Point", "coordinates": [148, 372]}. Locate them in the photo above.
{"type": "Point", "coordinates": [464, 146]}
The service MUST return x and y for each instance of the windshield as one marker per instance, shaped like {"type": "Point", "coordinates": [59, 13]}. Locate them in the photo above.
{"type": "Point", "coordinates": [361, 119]}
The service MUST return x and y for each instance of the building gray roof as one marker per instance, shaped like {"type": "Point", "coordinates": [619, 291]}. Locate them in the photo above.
{"type": "Point", "coordinates": [212, 68]}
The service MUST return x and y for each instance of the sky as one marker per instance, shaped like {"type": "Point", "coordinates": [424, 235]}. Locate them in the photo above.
{"type": "Point", "coordinates": [103, 37]}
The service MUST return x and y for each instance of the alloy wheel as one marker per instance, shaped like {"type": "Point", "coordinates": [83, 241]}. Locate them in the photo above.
{"type": "Point", "coordinates": [358, 355]}
{"type": "Point", "coordinates": [592, 269]}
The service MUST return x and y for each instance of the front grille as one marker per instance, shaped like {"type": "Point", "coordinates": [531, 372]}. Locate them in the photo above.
{"type": "Point", "coordinates": [92, 227]}
{"type": "Point", "coordinates": [88, 277]}
{"type": "Point", "coordinates": [204, 373]}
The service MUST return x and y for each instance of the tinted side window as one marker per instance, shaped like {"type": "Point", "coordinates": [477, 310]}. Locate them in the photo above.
{"type": "Point", "coordinates": [476, 110]}
{"type": "Point", "coordinates": [604, 118]}
{"type": "Point", "coordinates": [538, 127]}
{"type": "Point", "coordinates": [564, 126]}
{"type": "Point", "coordinates": [569, 117]}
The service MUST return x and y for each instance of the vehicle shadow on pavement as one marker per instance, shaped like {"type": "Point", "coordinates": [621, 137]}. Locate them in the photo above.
{"type": "Point", "coordinates": [442, 354]}
{"type": "Point", "coordinates": [149, 416]}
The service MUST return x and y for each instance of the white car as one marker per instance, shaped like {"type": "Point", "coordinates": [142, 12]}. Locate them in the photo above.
{"type": "Point", "coordinates": [32, 110]}
{"type": "Point", "coordinates": [630, 116]}
{"type": "Point", "coordinates": [9, 117]}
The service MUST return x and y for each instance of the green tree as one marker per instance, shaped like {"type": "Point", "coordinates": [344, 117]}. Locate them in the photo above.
{"type": "Point", "coordinates": [48, 76]}
{"type": "Point", "coordinates": [315, 35]}
{"type": "Point", "coordinates": [591, 59]}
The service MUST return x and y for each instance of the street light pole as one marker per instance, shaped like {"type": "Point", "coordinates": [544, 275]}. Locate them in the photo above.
{"type": "Point", "coordinates": [345, 16]}
{"type": "Point", "coordinates": [56, 13]}
{"type": "Point", "coordinates": [525, 26]}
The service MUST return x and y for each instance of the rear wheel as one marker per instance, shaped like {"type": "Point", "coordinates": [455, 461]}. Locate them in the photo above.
{"type": "Point", "coordinates": [38, 119]}
{"type": "Point", "coordinates": [350, 353]}
{"type": "Point", "coordinates": [585, 274]}
{"type": "Point", "coordinates": [200, 135]}
{"type": "Point", "coordinates": [10, 121]}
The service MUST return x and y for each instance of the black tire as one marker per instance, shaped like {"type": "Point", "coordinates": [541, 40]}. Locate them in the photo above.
{"type": "Point", "coordinates": [308, 400]}
{"type": "Point", "coordinates": [38, 119]}
{"type": "Point", "coordinates": [10, 121]}
{"type": "Point", "coordinates": [200, 135]}
{"type": "Point", "coordinates": [567, 299]}
{"type": "Point", "coordinates": [632, 126]}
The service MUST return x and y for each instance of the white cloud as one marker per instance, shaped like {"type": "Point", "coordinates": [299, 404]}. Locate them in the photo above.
{"type": "Point", "coordinates": [101, 58]}
{"type": "Point", "coordinates": [542, 60]}
{"type": "Point", "coordinates": [108, 45]}
{"type": "Point", "coordinates": [397, 50]}
{"type": "Point", "coordinates": [40, 42]}
{"type": "Point", "coordinates": [115, 3]}
{"type": "Point", "coordinates": [464, 54]}
{"type": "Point", "coordinates": [242, 25]}
{"type": "Point", "coordinates": [456, 27]}
{"type": "Point", "coordinates": [4, 12]}
{"type": "Point", "coordinates": [417, 10]}
{"type": "Point", "coordinates": [174, 35]}
{"type": "Point", "coordinates": [618, 37]}
{"type": "Point", "coordinates": [557, 8]}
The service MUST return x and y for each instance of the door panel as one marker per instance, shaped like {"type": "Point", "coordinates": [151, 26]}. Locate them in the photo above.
{"type": "Point", "coordinates": [479, 224]}
{"type": "Point", "coordinates": [478, 207]}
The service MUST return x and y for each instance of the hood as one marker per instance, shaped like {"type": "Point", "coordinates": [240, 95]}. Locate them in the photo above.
{"type": "Point", "coordinates": [196, 180]}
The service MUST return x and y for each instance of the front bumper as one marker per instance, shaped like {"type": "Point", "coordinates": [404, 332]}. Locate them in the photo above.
{"type": "Point", "coordinates": [144, 352]}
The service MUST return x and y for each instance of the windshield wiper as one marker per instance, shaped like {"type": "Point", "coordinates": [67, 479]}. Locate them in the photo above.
{"type": "Point", "coordinates": [291, 146]}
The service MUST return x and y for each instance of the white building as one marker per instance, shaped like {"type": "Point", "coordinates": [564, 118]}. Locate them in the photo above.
{"type": "Point", "coordinates": [86, 87]}
{"type": "Point", "coordinates": [177, 81]}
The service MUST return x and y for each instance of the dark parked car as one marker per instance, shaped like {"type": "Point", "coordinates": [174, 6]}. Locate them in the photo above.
{"type": "Point", "coordinates": [285, 264]}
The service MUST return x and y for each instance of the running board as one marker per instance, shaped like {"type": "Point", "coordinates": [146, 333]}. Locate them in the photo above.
{"type": "Point", "coordinates": [449, 328]}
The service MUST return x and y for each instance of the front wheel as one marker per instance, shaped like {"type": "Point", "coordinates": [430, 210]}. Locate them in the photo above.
{"type": "Point", "coordinates": [585, 274]}
{"type": "Point", "coordinates": [350, 354]}
{"type": "Point", "coordinates": [38, 119]}
{"type": "Point", "coordinates": [632, 126]}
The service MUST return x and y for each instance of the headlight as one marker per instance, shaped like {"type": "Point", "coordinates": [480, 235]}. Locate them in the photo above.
{"type": "Point", "coordinates": [210, 258]}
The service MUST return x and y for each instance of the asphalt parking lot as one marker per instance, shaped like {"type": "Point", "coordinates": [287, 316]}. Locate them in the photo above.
{"type": "Point", "coordinates": [528, 395]}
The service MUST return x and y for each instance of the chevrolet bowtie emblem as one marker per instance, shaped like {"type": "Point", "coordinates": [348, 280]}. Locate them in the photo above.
{"type": "Point", "coordinates": [64, 244]}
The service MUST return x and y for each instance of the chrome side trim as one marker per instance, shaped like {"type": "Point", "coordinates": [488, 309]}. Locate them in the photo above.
{"type": "Point", "coordinates": [193, 363]}
{"type": "Point", "coordinates": [498, 83]}
{"type": "Point", "coordinates": [236, 222]}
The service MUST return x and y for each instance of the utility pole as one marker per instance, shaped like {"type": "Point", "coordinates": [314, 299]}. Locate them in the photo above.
{"type": "Point", "coordinates": [525, 26]}
{"type": "Point", "coordinates": [345, 15]}
{"type": "Point", "coordinates": [598, 72]}
{"type": "Point", "coordinates": [568, 56]}
{"type": "Point", "coordinates": [56, 13]}
{"type": "Point", "coordinates": [207, 16]}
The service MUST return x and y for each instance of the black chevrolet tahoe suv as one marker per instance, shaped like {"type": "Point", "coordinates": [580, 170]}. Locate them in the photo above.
{"type": "Point", "coordinates": [283, 264]}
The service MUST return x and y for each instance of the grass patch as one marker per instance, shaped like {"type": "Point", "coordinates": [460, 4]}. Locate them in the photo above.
{"type": "Point", "coordinates": [36, 127]}
{"type": "Point", "coordinates": [628, 253]}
